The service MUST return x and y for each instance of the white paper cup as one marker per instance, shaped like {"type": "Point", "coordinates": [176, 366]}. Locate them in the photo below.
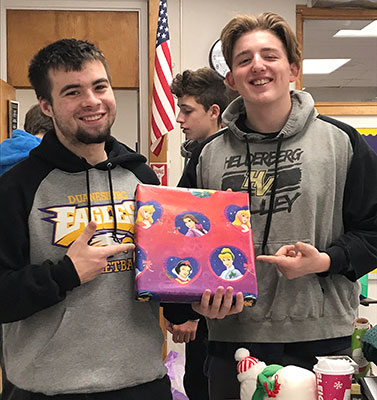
{"type": "Point", "coordinates": [332, 384]}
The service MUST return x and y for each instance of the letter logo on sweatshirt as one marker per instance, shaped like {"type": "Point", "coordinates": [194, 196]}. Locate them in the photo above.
{"type": "Point", "coordinates": [262, 172]}
{"type": "Point", "coordinates": [70, 220]}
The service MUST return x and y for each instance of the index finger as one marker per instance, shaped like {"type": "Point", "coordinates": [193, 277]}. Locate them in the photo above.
{"type": "Point", "coordinates": [117, 248]}
{"type": "Point", "coordinates": [88, 232]}
{"type": "Point", "coordinates": [267, 259]}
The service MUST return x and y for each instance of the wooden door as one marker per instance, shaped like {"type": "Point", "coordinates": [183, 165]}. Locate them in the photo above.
{"type": "Point", "coordinates": [114, 32]}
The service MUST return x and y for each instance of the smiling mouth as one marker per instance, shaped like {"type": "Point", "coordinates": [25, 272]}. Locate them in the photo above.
{"type": "Point", "coordinates": [260, 82]}
{"type": "Point", "coordinates": [92, 117]}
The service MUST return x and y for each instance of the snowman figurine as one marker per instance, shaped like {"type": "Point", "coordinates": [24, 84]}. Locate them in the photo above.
{"type": "Point", "coordinates": [248, 369]}
{"type": "Point", "coordinates": [261, 382]}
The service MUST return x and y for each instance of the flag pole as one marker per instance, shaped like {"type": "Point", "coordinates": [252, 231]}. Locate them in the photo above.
{"type": "Point", "coordinates": [153, 6]}
{"type": "Point", "coordinates": [162, 107]}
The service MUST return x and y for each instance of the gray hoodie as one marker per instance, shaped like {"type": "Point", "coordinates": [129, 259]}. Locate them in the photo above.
{"type": "Point", "coordinates": [308, 183]}
{"type": "Point", "coordinates": [61, 336]}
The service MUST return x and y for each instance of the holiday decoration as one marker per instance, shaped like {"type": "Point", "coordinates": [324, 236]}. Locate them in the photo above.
{"type": "Point", "coordinates": [361, 326]}
{"type": "Point", "coordinates": [261, 382]}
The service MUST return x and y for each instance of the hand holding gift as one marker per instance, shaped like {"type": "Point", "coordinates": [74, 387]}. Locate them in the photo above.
{"type": "Point", "coordinates": [221, 305]}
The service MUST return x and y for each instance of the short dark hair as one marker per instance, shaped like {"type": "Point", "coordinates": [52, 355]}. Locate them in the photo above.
{"type": "Point", "coordinates": [36, 122]}
{"type": "Point", "coordinates": [268, 21]}
{"type": "Point", "coordinates": [66, 55]}
{"type": "Point", "coordinates": [205, 85]}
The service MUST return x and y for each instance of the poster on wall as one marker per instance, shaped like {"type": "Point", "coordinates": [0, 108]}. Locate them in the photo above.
{"type": "Point", "coordinates": [13, 116]}
{"type": "Point", "coordinates": [161, 170]}
{"type": "Point", "coordinates": [370, 135]}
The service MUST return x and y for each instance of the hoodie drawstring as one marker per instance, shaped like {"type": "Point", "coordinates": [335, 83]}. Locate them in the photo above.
{"type": "Point", "coordinates": [88, 195]}
{"type": "Point", "coordinates": [114, 234]}
{"type": "Point", "coordinates": [273, 188]}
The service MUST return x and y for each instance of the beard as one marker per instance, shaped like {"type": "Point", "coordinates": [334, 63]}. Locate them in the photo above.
{"type": "Point", "coordinates": [80, 135]}
{"type": "Point", "coordinates": [83, 136]}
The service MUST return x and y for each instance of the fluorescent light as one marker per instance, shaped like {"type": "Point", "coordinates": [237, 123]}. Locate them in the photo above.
{"type": "Point", "coordinates": [322, 65]}
{"type": "Point", "coordinates": [368, 31]}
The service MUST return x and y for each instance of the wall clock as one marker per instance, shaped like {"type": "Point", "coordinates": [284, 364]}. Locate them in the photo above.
{"type": "Point", "coordinates": [216, 59]}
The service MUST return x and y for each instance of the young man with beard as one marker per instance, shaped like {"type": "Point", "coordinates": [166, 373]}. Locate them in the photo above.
{"type": "Point", "coordinates": [314, 211]}
{"type": "Point", "coordinates": [72, 329]}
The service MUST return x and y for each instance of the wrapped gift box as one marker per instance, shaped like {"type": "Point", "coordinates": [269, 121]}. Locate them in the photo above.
{"type": "Point", "coordinates": [189, 240]}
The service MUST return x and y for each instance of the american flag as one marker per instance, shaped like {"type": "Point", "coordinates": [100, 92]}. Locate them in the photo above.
{"type": "Point", "coordinates": [163, 109]}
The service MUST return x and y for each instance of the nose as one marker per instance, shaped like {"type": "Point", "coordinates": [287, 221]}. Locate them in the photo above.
{"type": "Point", "coordinates": [258, 63]}
{"type": "Point", "coordinates": [90, 99]}
{"type": "Point", "coordinates": [180, 118]}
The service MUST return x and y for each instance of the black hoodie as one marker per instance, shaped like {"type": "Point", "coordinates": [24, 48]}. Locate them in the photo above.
{"type": "Point", "coordinates": [60, 336]}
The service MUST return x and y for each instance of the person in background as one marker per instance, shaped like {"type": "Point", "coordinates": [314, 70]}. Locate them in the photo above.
{"type": "Point", "coordinates": [202, 97]}
{"type": "Point", "coordinates": [15, 149]}
{"type": "Point", "coordinates": [12, 151]}
{"type": "Point", "coordinates": [71, 326]}
{"type": "Point", "coordinates": [313, 207]}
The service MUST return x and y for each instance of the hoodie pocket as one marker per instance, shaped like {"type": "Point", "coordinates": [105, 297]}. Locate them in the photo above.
{"type": "Point", "coordinates": [298, 299]}
{"type": "Point", "coordinates": [280, 298]}
{"type": "Point", "coordinates": [58, 342]}
{"type": "Point", "coordinates": [341, 296]}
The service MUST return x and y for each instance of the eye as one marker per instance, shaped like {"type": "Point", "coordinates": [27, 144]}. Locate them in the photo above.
{"type": "Point", "coordinates": [270, 57]}
{"type": "Point", "coordinates": [72, 93]}
{"type": "Point", "coordinates": [101, 88]}
{"type": "Point", "coordinates": [186, 111]}
{"type": "Point", "coordinates": [244, 60]}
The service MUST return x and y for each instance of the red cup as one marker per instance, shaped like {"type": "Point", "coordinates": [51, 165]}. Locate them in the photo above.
{"type": "Point", "coordinates": [333, 385]}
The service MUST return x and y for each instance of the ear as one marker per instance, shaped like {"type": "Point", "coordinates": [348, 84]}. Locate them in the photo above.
{"type": "Point", "coordinates": [214, 111]}
{"type": "Point", "coordinates": [46, 107]}
{"type": "Point", "coordinates": [295, 71]}
{"type": "Point", "coordinates": [229, 80]}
